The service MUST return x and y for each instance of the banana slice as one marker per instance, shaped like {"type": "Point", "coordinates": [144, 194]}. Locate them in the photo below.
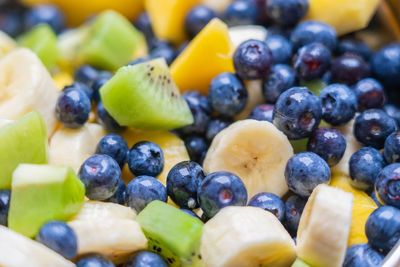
{"type": "Point", "coordinates": [108, 229]}
{"type": "Point", "coordinates": [26, 85]}
{"type": "Point", "coordinates": [256, 151]}
{"type": "Point", "coordinates": [246, 236]}
{"type": "Point", "coordinates": [71, 147]}
{"type": "Point", "coordinates": [324, 227]}
{"type": "Point", "coordinates": [17, 250]}
{"type": "Point", "coordinates": [219, 6]}
{"type": "Point", "coordinates": [255, 98]}
{"type": "Point", "coordinates": [239, 34]}
{"type": "Point", "coordinates": [7, 44]}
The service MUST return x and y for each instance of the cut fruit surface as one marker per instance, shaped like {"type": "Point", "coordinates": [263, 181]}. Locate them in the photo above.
{"type": "Point", "coordinates": [7, 44]}
{"type": "Point", "coordinates": [206, 56]}
{"type": "Point", "coordinates": [145, 96]}
{"type": "Point", "coordinates": [239, 34]}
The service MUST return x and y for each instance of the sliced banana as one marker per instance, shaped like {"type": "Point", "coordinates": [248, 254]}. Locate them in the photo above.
{"type": "Point", "coordinates": [7, 44]}
{"type": "Point", "coordinates": [17, 250]}
{"type": "Point", "coordinates": [108, 229]}
{"type": "Point", "coordinates": [324, 227]}
{"type": "Point", "coordinates": [26, 85]}
{"type": "Point", "coordinates": [219, 5]}
{"type": "Point", "coordinates": [242, 33]}
{"type": "Point", "coordinates": [256, 151]}
{"type": "Point", "coordinates": [246, 237]}
{"type": "Point", "coordinates": [255, 98]}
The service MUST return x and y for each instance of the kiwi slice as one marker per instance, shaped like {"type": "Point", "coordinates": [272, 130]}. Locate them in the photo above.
{"type": "Point", "coordinates": [172, 233]}
{"type": "Point", "coordinates": [145, 96]}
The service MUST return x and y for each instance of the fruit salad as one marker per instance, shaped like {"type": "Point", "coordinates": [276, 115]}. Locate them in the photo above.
{"type": "Point", "coordinates": [205, 133]}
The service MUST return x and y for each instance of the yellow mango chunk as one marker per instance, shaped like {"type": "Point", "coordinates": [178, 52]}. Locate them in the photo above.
{"type": "Point", "coordinates": [168, 18]}
{"type": "Point", "coordinates": [63, 79]}
{"type": "Point", "coordinates": [344, 15]}
{"type": "Point", "coordinates": [206, 56]}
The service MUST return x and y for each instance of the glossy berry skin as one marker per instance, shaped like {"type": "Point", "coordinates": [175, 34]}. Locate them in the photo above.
{"type": "Point", "coordinates": [383, 228]}
{"type": "Point", "coordinates": [101, 175]}
{"type": "Point", "coordinates": [48, 14]}
{"type": "Point", "coordinates": [94, 260]}
{"type": "Point", "coordinates": [142, 190]}
{"type": "Point", "coordinates": [279, 80]}
{"type": "Point", "coordinates": [362, 255]}
{"type": "Point", "coordinates": [375, 198]}
{"type": "Point", "coordinates": [310, 31]}
{"type": "Point", "coordinates": [373, 126]}
{"type": "Point", "coordinates": [339, 104]}
{"type": "Point", "coordinates": [294, 206]}
{"type": "Point", "coordinates": [182, 184]}
{"type": "Point", "coordinates": [287, 12]}
{"type": "Point", "coordinates": [304, 171]}
{"type": "Point", "coordinates": [72, 108]}
{"type": "Point", "coordinates": [80, 86]}
{"type": "Point", "coordinates": [370, 94]}
{"type": "Point", "coordinates": [297, 113]}
{"type": "Point", "coordinates": [281, 48]}
{"type": "Point", "coordinates": [387, 185]}
{"type": "Point", "coordinates": [97, 83]}
{"type": "Point", "coordinates": [143, 24]}
{"type": "Point", "coordinates": [86, 74]}
{"type": "Point", "coordinates": [364, 166]}
{"type": "Point", "coordinates": [329, 144]}
{"type": "Point", "coordinates": [241, 12]}
{"type": "Point", "coordinates": [196, 147]}
{"type": "Point", "coordinates": [227, 94]}
{"type": "Point", "coordinates": [385, 64]}
{"type": "Point", "coordinates": [263, 112]}
{"type": "Point", "coordinates": [201, 112]}
{"type": "Point", "coordinates": [312, 61]}
{"type": "Point", "coordinates": [391, 150]}
{"type": "Point", "coordinates": [11, 22]}
{"type": "Point", "coordinates": [219, 190]}
{"type": "Point", "coordinates": [191, 213]}
{"type": "Point", "coordinates": [105, 119]}
{"type": "Point", "coordinates": [197, 18]}
{"type": "Point", "coordinates": [58, 236]}
{"type": "Point", "coordinates": [115, 146]}
{"type": "Point", "coordinates": [119, 195]}
{"type": "Point", "coordinates": [165, 51]}
{"type": "Point", "coordinates": [349, 69]}
{"type": "Point", "coordinates": [145, 259]}
{"type": "Point", "coordinates": [252, 60]}
{"type": "Point", "coordinates": [5, 195]}
{"type": "Point", "coordinates": [393, 111]}
{"type": "Point", "coordinates": [215, 126]}
{"type": "Point", "coordinates": [146, 158]}
{"type": "Point", "coordinates": [269, 202]}
{"type": "Point", "coordinates": [354, 46]}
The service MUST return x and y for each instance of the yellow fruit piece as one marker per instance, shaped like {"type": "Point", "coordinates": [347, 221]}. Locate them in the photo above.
{"type": "Point", "coordinates": [77, 11]}
{"type": "Point", "coordinates": [168, 18]}
{"type": "Point", "coordinates": [7, 44]}
{"type": "Point", "coordinates": [363, 206]}
{"type": "Point", "coordinates": [63, 79]}
{"type": "Point", "coordinates": [206, 56]}
{"type": "Point", "coordinates": [344, 15]}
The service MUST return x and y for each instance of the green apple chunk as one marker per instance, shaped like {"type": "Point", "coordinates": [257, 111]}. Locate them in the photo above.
{"type": "Point", "coordinates": [41, 193]}
{"type": "Point", "coordinates": [145, 96]}
{"type": "Point", "coordinates": [111, 42]}
{"type": "Point", "coordinates": [22, 141]}
{"type": "Point", "coordinates": [43, 42]}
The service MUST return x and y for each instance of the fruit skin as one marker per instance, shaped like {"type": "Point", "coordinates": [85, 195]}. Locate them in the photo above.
{"type": "Point", "coordinates": [146, 158]}
{"type": "Point", "coordinates": [97, 83]}
{"type": "Point", "coordinates": [94, 260]}
{"type": "Point", "coordinates": [269, 202]}
{"type": "Point", "coordinates": [48, 14]}
{"type": "Point", "coordinates": [263, 112]}
{"type": "Point", "coordinates": [114, 146]}
{"type": "Point", "coordinates": [196, 147]}
{"type": "Point", "coordinates": [385, 64]}
{"type": "Point", "coordinates": [241, 13]}
{"type": "Point", "coordinates": [12, 23]}
{"type": "Point", "coordinates": [370, 94]}
{"type": "Point", "coordinates": [119, 195]}
{"type": "Point", "coordinates": [287, 12]}
{"type": "Point", "coordinates": [393, 111]}
{"type": "Point", "coordinates": [197, 18]}
{"type": "Point", "coordinates": [308, 32]}
{"type": "Point", "coordinates": [145, 259]}
{"type": "Point", "coordinates": [312, 61]}
{"type": "Point", "coordinates": [280, 47]}
{"type": "Point", "coordinates": [86, 74]}
{"type": "Point", "coordinates": [4, 205]}
{"type": "Point", "coordinates": [201, 112]}
{"type": "Point", "coordinates": [294, 206]}
{"type": "Point", "coordinates": [349, 69]}
{"type": "Point", "coordinates": [391, 150]}
{"type": "Point", "coordinates": [105, 119]}
{"type": "Point", "coordinates": [362, 255]}
{"type": "Point", "coordinates": [281, 78]}
{"type": "Point", "coordinates": [163, 50]}
{"type": "Point", "coordinates": [354, 46]}
{"type": "Point", "coordinates": [80, 86]}
{"type": "Point", "coordinates": [215, 126]}
{"type": "Point", "coordinates": [386, 185]}
{"type": "Point", "coordinates": [143, 24]}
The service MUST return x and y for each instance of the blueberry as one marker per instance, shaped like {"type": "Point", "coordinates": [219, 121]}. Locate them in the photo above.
{"type": "Point", "coordinates": [197, 18]}
{"type": "Point", "coordinates": [146, 158]}
{"type": "Point", "coordinates": [181, 48]}
{"type": "Point", "coordinates": [263, 112]}
{"type": "Point", "coordinates": [115, 146]}
{"type": "Point", "coordinates": [11, 22]}
{"type": "Point", "coordinates": [349, 69]}
{"type": "Point", "coordinates": [80, 86]}
{"type": "Point", "coordinates": [329, 144]}
{"type": "Point", "coordinates": [58, 236]}
{"type": "Point", "coordinates": [391, 150]}
{"type": "Point", "coordinates": [383, 228]}
{"type": "Point", "coordinates": [142, 190]}
{"type": "Point", "coordinates": [94, 260]}
{"type": "Point", "coordinates": [227, 94]}
{"type": "Point", "coordinates": [375, 198]}
{"type": "Point", "coordinates": [297, 112]}
{"type": "Point", "coordinates": [262, 17]}
{"type": "Point", "coordinates": [196, 147]}
{"type": "Point", "coordinates": [327, 77]}
{"type": "Point", "coordinates": [143, 24]}
{"type": "Point", "coordinates": [385, 64]}
{"type": "Point", "coordinates": [279, 80]}
{"type": "Point", "coordinates": [86, 74]}
{"type": "Point", "coordinates": [182, 183]}
{"type": "Point", "coordinates": [354, 46]}
{"type": "Point", "coordinates": [339, 104]}
{"type": "Point", "coordinates": [145, 259]}
{"type": "Point", "coordinates": [215, 126]}
{"type": "Point", "coordinates": [252, 60]}
{"type": "Point", "coordinates": [312, 61]}
{"type": "Point", "coordinates": [97, 83]}
{"type": "Point", "coordinates": [48, 14]}
{"type": "Point", "coordinates": [105, 119]}
{"type": "Point", "coordinates": [294, 206]}
{"type": "Point", "coordinates": [279, 30]}
{"type": "Point", "coordinates": [287, 12]}
{"type": "Point", "coordinates": [5, 195]}
{"type": "Point", "coordinates": [219, 190]}
{"type": "Point", "coordinates": [241, 12]}
{"type": "Point", "coordinates": [362, 255]}
{"type": "Point", "coordinates": [387, 185]}
{"type": "Point", "coordinates": [119, 195]}
{"type": "Point", "coordinates": [370, 94]}
{"type": "Point", "coordinates": [364, 166]}
{"type": "Point", "coordinates": [281, 48]}
{"type": "Point", "coordinates": [139, 60]}
{"type": "Point", "coordinates": [373, 126]}
{"type": "Point", "coordinates": [310, 31]}
{"type": "Point", "coordinates": [72, 108]}
{"type": "Point", "coordinates": [304, 171]}
{"type": "Point", "coordinates": [201, 112]}
{"type": "Point", "coordinates": [101, 175]}
{"type": "Point", "coordinates": [269, 202]}
{"type": "Point", "coordinates": [165, 51]}
{"type": "Point", "coordinates": [191, 213]}
{"type": "Point", "coordinates": [393, 111]}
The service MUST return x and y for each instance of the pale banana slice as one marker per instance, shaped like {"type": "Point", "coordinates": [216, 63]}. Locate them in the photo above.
{"type": "Point", "coordinates": [17, 250]}
{"type": "Point", "coordinates": [246, 237]}
{"type": "Point", "coordinates": [324, 227]}
{"type": "Point", "coordinates": [217, 5]}
{"type": "Point", "coordinates": [26, 85]}
{"type": "Point", "coordinates": [239, 34]}
{"type": "Point", "coordinates": [256, 151]}
{"type": "Point", "coordinates": [71, 147]}
{"type": "Point", "coordinates": [7, 44]}
{"type": "Point", "coordinates": [255, 98]}
{"type": "Point", "coordinates": [108, 229]}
